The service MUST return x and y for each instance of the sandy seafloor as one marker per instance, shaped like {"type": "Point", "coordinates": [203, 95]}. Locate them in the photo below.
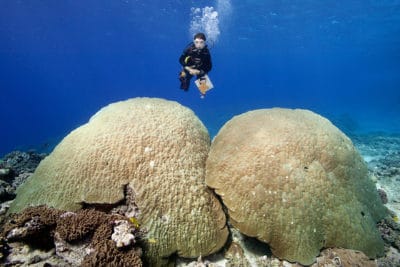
{"type": "Point", "coordinates": [380, 151]}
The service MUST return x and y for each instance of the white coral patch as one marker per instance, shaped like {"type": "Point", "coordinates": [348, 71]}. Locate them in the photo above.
{"type": "Point", "coordinates": [122, 235]}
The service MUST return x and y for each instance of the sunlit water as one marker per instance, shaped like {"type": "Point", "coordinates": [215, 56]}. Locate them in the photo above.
{"type": "Point", "coordinates": [61, 61]}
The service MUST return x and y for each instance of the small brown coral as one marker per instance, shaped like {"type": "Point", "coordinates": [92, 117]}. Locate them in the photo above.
{"type": "Point", "coordinates": [47, 217]}
{"type": "Point", "coordinates": [107, 254]}
{"type": "Point", "coordinates": [76, 226]}
{"type": "Point", "coordinates": [34, 225]}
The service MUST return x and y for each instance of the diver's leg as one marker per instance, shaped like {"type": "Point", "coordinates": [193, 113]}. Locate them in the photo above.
{"type": "Point", "coordinates": [185, 77]}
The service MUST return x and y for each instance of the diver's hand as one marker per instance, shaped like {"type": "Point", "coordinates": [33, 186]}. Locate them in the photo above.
{"type": "Point", "coordinates": [189, 69]}
{"type": "Point", "coordinates": [194, 72]}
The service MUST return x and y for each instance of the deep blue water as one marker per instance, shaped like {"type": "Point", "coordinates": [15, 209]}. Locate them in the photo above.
{"type": "Point", "coordinates": [61, 61]}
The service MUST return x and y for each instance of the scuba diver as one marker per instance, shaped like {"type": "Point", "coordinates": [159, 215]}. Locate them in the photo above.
{"type": "Point", "coordinates": [195, 60]}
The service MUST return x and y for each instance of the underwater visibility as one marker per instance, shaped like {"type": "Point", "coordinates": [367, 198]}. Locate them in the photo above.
{"type": "Point", "coordinates": [200, 133]}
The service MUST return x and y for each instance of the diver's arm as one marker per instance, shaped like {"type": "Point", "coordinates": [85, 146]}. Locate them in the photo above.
{"type": "Point", "coordinates": [182, 58]}
{"type": "Point", "coordinates": [193, 71]}
{"type": "Point", "coordinates": [184, 55]}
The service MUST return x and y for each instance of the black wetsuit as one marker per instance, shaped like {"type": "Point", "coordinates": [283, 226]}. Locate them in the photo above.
{"type": "Point", "coordinates": [199, 59]}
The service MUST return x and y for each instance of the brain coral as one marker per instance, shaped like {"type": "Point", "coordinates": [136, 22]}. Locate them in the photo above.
{"type": "Point", "coordinates": [156, 147]}
{"type": "Point", "coordinates": [293, 180]}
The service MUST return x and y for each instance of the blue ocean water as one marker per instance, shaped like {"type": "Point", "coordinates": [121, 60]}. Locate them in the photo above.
{"type": "Point", "coordinates": [61, 61]}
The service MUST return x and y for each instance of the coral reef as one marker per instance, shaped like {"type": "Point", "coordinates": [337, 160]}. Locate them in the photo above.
{"type": "Point", "coordinates": [235, 256]}
{"type": "Point", "coordinates": [3, 248]}
{"type": "Point", "coordinates": [106, 252]}
{"type": "Point", "coordinates": [382, 154]}
{"type": "Point", "coordinates": [293, 180]}
{"type": "Point", "coordinates": [25, 255]}
{"type": "Point", "coordinates": [156, 147]}
{"type": "Point", "coordinates": [380, 151]}
{"type": "Point", "coordinates": [83, 238]}
{"type": "Point", "coordinates": [21, 162]}
{"type": "Point", "coordinates": [391, 259]}
{"type": "Point", "coordinates": [15, 168]}
{"type": "Point", "coordinates": [343, 257]}
{"type": "Point", "coordinates": [7, 192]}
{"type": "Point", "coordinates": [329, 257]}
{"type": "Point", "coordinates": [390, 232]}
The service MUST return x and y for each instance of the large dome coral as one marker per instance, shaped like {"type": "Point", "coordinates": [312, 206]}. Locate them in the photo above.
{"type": "Point", "coordinates": [293, 180]}
{"type": "Point", "coordinates": [158, 149]}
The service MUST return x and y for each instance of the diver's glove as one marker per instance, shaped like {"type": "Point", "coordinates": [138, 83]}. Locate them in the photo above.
{"type": "Point", "coordinates": [192, 71]}
{"type": "Point", "coordinates": [195, 72]}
